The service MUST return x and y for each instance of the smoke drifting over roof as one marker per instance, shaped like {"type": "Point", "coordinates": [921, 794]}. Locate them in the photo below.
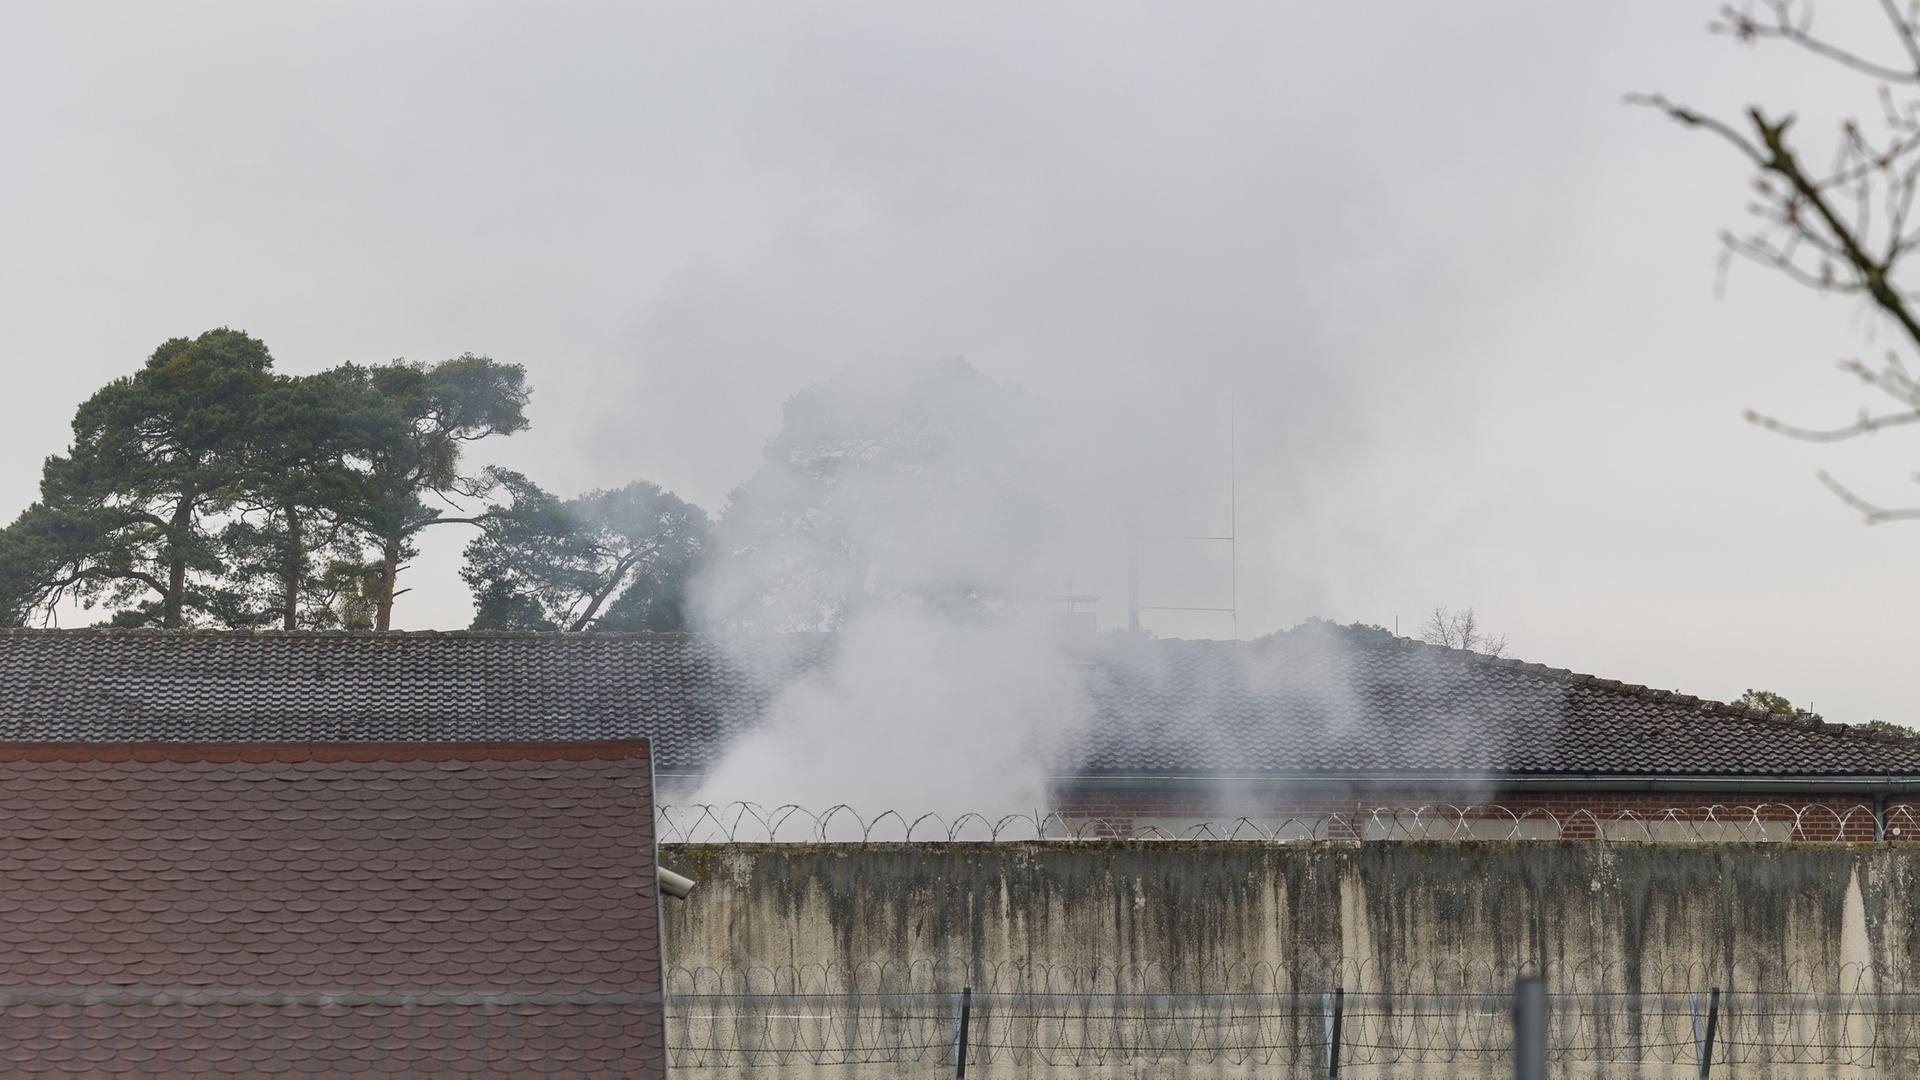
{"type": "Point", "coordinates": [1439, 271]}
{"type": "Point", "coordinates": [911, 514]}
{"type": "Point", "coordinates": [923, 518]}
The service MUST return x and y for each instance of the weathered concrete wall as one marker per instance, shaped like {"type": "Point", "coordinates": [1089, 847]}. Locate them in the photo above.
{"type": "Point", "coordinates": [1378, 918]}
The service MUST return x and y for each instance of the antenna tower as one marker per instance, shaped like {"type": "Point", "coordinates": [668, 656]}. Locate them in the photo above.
{"type": "Point", "coordinates": [1231, 539]}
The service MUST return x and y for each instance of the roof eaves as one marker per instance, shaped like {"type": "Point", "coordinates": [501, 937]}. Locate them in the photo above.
{"type": "Point", "coordinates": [151, 632]}
{"type": "Point", "coordinates": [1773, 783]}
{"type": "Point", "coordinates": [263, 752]}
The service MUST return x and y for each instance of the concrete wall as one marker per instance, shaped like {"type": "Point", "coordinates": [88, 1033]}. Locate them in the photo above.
{"type": "Point", "coordinates": [1498, 814]}
{"type": "Point", "coordinates": [1599, 919]}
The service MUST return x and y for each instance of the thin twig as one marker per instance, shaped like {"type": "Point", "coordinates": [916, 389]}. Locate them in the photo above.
{"type": "Point", "coordinates": [1874, 513]}
{"type": "Point", "coordinates": [1866, 425]}
{"type": "Point", "coordinates": [1747, 28]}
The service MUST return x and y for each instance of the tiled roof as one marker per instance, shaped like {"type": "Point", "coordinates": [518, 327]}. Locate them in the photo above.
{"type": "Point", "coordinates": [474, 911]}
{"type": "Point", "coordinates": [1305, 702]}
{"type": "Point", "coordinates": [161, 686]}
{"type": "Point", "coordinates": [1322, 703]}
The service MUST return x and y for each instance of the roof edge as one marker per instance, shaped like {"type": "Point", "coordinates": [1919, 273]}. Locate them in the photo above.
{"type": "Point", "coordinates": [213, 632]}
{"type": "Point", "coordinates": [1496, 783]}
{"type": "Point", "coordinates": [265, 752]}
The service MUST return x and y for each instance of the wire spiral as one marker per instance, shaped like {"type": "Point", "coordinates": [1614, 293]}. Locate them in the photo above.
{"type": "Point", "coordinates": [1027, 1016]}
{"type": "Point", "coordinates": [754, 823]}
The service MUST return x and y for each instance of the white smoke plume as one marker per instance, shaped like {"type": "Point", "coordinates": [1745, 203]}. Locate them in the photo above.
{"type": "Point", "coordinates": [891, 572]}
{"type": "Point", "coordinates": [900, 526]}
{"type": "Point", "coordinates": [917, 711]}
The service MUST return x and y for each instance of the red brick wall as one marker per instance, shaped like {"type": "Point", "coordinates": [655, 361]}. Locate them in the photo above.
{"type": "Point", "coordinates": [1440, 814]}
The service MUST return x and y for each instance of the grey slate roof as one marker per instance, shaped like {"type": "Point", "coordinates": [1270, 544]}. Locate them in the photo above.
{"type": "Point", "coordinates": [1309, 703]}
{"type": "Point", "coordinates": [191, 686]}
{"type": "Point", "coordinates": [1317, 703]}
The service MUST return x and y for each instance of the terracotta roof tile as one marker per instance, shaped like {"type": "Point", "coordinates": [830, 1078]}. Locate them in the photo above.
{"type": "Point", "coordinates": [100, 931]}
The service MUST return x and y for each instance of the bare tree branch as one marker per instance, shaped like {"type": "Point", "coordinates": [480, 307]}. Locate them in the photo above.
{"type": "Point", "coordinates": [1847, 229]}
{"type": "Point", "coordinates": [1874, 513]}
{"type": "Point", "coordinates": [1743, 24]}
{"type": "Point", "coordinates": [1700, 120]}
{"type": "Point", "coordinates": [1904, 30]}
{"type": "Point", "coordinates": [1864, 426]}
{"type": "Point", "coordinates": [1461, 630]}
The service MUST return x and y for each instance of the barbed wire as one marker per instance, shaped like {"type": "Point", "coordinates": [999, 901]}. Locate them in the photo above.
{"type": "Point", "coordinates": [1299, 973]}
{"type": "Point", "coordinates": [1850, 1019]}
{"type": "Point", "coordinates": [754, 823]}
{"type": "Point", "coordinates": [1023, 1030]}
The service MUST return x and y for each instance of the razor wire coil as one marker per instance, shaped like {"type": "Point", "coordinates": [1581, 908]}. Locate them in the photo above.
{"type": "Point", "coordinates": [755, 823]}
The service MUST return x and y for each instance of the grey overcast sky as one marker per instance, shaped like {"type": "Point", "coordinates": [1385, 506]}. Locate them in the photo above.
{"type": "Point", "coordinates": [1459, 298]}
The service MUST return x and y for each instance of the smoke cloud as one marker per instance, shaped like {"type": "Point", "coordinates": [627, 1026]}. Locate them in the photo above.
{"type": "Point", "coordinates": [915, 710]}
{"type": "Point", "coordinates": [896, 574]}
{"type": "Point", "coordinates": [904, 524]}
{"type": "Point", "coordinates": [1460, 295]}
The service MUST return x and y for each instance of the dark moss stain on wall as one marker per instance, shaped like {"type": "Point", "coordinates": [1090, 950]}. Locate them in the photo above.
{"type": "Point", "coordinates": [1195, 910]}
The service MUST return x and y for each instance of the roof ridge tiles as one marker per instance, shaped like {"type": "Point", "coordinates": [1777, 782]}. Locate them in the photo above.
{"type": "Point", "coordinates": [325, 752]}
{"type": "Point", "coordinates": [150, 632]}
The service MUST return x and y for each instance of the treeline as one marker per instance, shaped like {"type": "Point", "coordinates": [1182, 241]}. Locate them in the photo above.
{"type": "Point", "coordinates": [207, 489]}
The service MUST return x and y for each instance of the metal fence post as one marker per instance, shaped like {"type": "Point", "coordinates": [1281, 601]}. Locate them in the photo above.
{"type": "Point", "coordinates": [1530, 1029]}
{"type": "Point", "coordinates": [1703, 1040]}
{"type": "Point", "coordinates": [1334, 1004]}
{"type": "Point", "coordinates": [960, 1034]}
